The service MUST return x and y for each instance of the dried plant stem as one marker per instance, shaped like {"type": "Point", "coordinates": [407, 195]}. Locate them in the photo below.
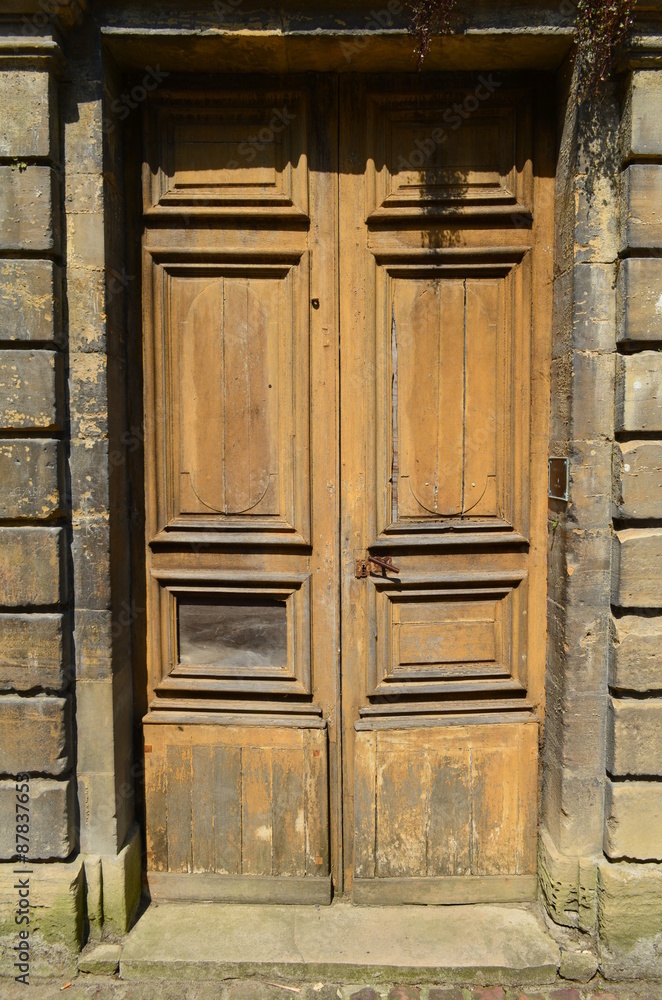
{"type": "Point", "coordinates": [601, 25]}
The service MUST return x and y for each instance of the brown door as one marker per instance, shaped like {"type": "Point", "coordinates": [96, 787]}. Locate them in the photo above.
{"type": "Point", "coordinates": [346, 402]}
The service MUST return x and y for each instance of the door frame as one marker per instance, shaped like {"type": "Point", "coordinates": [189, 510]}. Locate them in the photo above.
{"type": "Point", "coordinates": [113, 44]}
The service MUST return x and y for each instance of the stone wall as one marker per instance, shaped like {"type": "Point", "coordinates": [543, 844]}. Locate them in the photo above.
{"type": "Point", "coordinates": [65, 665]}
{"type": "Point", "coordinates": [631, 901]}
{"type": "Point", "coordinates": [66, 600]}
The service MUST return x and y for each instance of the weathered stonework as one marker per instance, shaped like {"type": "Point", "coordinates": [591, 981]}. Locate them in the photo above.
{"type": "Point", "coordinates": [31, 474]}
{"type": "Point", "coordinates": [52, 831]}
{"type": "Point", "coordinates": [633, 826]}
{"type": "Point", "coordinates": [630, 919]}
{"type": "Point", "coordinates": [66, 604]}
{"type": "Point", "coordinates": [30, 300]}
{"type": "Point", "coordinates": [636, 654]}
{"type": "Point", "coordinates": [32, 652]}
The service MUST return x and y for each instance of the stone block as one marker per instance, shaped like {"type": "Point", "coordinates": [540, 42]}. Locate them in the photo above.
{"type": "Point", "coordinates": [34, 735]}
{"type": "Point", "coordinates": [579, 647]}
{"type": "Point", "coordinates": [630, 918]}
{"type": "Point", "coordinates": [89, 472]}
{"type": "Point", "coordinates": [100, 959]}
{"type": "Point", "coordinates": [561, 402]}
{"type": "Point", "coordinates": [88, 388]}
{"type": "Point", "coordinates": [122, 884]}
{"type": "Point", "coordinates": [562, 313]}
{"type": "Point", "coordinates": [592, 392]}
{"type": "Point", "coordinates": [29, 300]}
{"type": "Point", "coordinates": [25, 108]}
{"type": "Point", "coordinates": [642, 115]}
{"type": "Point", "coordinates": [641, 206]}
{"type": "Point", "coordinates": [574, 727]}
{"type": "Point", "coordinates": [637, 568]}
{"type": "Point", "coordinates": [31, 390]}
{"type": "Point", "coordinates": [31, 653]}
{"type": "Point", "coordinates": [91, 556]}
{"type": "Point", "coordinates": [84, 137]}
{"type": "Point", "coordinates": [636, 659]}
{"type": "Point", "coordinates": [86, 240]}
{"type": "Point", "coordinates": [639, 392]}
{"type": "Point", "coordinates": [559, 876]}
{"type": "Point", "coordinates": [27, 214]}
{"type": "Point", "coordinates": [596, 215]}
{"type": "Point", "coordinates": [98, 813]}
{"type": "Point", "coordinates": [590, 470]}
{"type": "Point", "coordinates": [57, 892]}
{"type": "Point", "coordinates": [594, 317]}
{"type": "Point", "coordinates": [577, 966]}
{"type": "Point", "coordinates": [640, 299]}
{"type": "Point", "coordinates": [51, 827]}
{"type": "Point", "coordinates": [32, 572]}
{"type": "Point", "coordinates": [30, 479]}
{"type": "Point", "coordinates": [574, 808]}
{"type": "Point", "coordinates": [634, 737]}
{"type": "Point", "coordinates": [94, 719]}
{"type": "Point", "coordinates": [633, 827]}
{"type": "Point", "coordinates": [638, 479]}
{"type": "Point", "coordinates": [86, 302]}
{"type": "Point", "coordinates": [93, 635]}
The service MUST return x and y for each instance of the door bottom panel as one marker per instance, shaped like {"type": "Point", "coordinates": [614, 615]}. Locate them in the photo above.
{"type": "Point", "coordinates": [454, 889]}
{"type": "Point", "coordinates": [439, 807]}
{"type": "Point", "coordinates": [212, 888]}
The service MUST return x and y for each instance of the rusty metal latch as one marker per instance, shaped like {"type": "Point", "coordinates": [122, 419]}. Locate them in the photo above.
{"type": "Point", "coordinates": [384, 563]}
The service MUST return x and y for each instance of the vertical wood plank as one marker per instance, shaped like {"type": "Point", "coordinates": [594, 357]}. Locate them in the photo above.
{"type": "Point", "coordinates": [402, 803]}
{"type": "Point", "coordinates": [256, 811]}
{"type": "Point", "coordinates": [178, 804]}
{"type": "Point", "coordinates": [227, 794]}
{"type": "Point", "coordinates": [200, 409]}
{"type": "Point", "coordinates": [494, 802]}
{"type": "Point", "coordinates": [316, 801]}
{"type": "Point", "coordinates": [156, 820]}
{"type": "Point", "coordinates": [485, 396]}
{"type": "Point", "coordinates": [202, 809]}
{"type": "Point", "coordinates": [365, 806]}
{"type": "Point", "coordinates": [449, 813]}
{"type": "Point", "coordinates": [527, 804]}
{"type": "Point", "coordinates": [289, 832]}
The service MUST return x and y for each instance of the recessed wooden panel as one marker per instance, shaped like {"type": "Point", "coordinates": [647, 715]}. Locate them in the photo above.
{"type": "Point", "coordinates": [427, 635]}
{"type": "Point", "coordinates": [232, 632]}
{"type": "Point", "coordinates": [441, 805]}
{"type": "Point", "coordinates": [453, 391]}
{"type": "Point", "coordinates": [432, 638]}
{"type": "Point", "coordinates": [236, 354]}
{"type": "Point", "coordinates": [440, 158]}
{"type": "Point", "coordinates": [237, 800]}
{"type": "Point", "coordinates": [246, 155]}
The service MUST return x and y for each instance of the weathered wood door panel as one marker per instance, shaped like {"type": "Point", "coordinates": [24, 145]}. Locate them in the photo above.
{"type": "Point", "coordinates": [445, 229]}
{"type": "Point", "coordinates": [241, 743]}
{"type": "Point", "coordinates": [343, 361]}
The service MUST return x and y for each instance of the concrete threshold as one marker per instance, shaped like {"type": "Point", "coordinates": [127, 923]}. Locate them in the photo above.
{"type": "Point", "coordinates": [482, 944]}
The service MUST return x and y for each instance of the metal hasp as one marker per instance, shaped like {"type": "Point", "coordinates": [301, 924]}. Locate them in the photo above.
{"type": "Point", "coordinates": [384, 563]}
{"type": "Point", "coordinates": [558, 479]}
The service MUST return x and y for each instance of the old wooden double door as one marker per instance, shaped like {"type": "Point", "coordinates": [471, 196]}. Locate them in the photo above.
{"type": "Point", "coordinates": [346, 330]}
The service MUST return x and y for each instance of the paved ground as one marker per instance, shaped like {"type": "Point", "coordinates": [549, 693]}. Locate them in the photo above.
{"type": "Point", "coordinates": [97, 988]}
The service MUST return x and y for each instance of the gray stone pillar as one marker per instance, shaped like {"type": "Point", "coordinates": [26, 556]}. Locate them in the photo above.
{"type": "Point", "coordinates": [630, 883]}
{"type": "Point", "coordinates": [582, 428]}
{"type": "Point", "coordinates": [36, 681]}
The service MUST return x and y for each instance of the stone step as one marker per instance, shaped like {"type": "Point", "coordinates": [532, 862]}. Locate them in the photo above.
{"type": "Point", "coordinates": [482, 944]}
